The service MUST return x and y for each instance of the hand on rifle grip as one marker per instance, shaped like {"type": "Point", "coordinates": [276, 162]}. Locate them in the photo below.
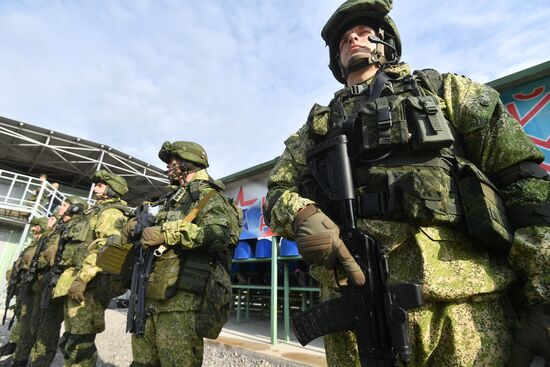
{"type": "Point", "coordinates": [318, 240]}
{"type": "Point", "coordinates": [129, 230]}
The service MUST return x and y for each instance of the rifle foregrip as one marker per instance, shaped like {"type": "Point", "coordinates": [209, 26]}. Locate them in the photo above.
{"type": "Point", "coordinates": [323, 318]}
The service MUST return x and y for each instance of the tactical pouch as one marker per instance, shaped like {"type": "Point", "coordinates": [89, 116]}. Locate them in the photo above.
{"type": "Point", "coordinates": [215, 304]}
{"type": "Point", "coordinates": [164, 278]}
{"type": "Point", "coordinates": [484, 209]}
{"type": "Point", "coordinates": [79, 231]}
{"type": "Point", "coordinates": [429, 128]}
{"type": "Point", "coordinates": [115, 258]}
{"type": "Point", "coordinates": [194, 273]}
{"type": "Point", "coordinates": [383, 124]}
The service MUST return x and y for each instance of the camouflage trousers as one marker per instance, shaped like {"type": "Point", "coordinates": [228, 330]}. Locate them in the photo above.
{"type": "Point", "coordinates": [78, 349]}
{"type": "Point", "coordinates": [83, 320]}
{"type": "Point", "coordinates": [38, 342]}
{"type": "Point", "coordinates": [169, 341]}
{"type": "Point", "coordinates": [444, 334]}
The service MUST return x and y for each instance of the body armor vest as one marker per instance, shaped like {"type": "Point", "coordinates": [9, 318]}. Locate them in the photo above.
{"type": "Point", "coordinates": [405, 156]}
{"type": "Point", "coordinates": [176, 268]}
{"type": "Point", "coordinates": [77, 236]}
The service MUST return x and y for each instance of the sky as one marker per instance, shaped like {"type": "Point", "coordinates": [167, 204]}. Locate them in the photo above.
{"type": "Point", "coordinates": [236, 76]}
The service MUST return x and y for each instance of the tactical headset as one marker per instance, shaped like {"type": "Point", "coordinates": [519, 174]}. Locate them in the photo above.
{"type": "Point", "coordinates": [74, 209]}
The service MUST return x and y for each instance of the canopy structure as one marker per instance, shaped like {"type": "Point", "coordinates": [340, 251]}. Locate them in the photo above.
{"type": "Point", "coordinates": [69, 160]}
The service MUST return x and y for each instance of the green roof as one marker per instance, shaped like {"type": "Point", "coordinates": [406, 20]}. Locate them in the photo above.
{"type": "Point", "coordinates": [262, 167]}
{"type": "Point", "coordinates": [521, 77]}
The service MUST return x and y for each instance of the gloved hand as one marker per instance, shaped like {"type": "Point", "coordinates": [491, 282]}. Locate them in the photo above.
{"type": "Point", "coordinates": [533, 337]}
{"type": "Point", "coordinates": [76, 292]}
{"type": "Point", "coordinates": [319, 243]}
{"type": "Point", "coordinates": [128, 231]}
{"type": "Point", "coordinates": [49, 254]}
{"type": "Point", "coordinates": [152, 236]}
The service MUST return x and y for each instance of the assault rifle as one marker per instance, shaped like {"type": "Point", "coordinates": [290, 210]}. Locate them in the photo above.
{"type": "Point", "coordinates": [29, 276]}
{"type": "Point", "coordinates": [12, 288]}
{"type": "Point", "coordinates": [53, 276]}
{"type": "Point", "coordinates": [375, 312]}
{"type": "Point", "coordinates": [143, 264]}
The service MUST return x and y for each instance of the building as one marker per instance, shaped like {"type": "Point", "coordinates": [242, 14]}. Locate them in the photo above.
{"type": "Point", "coordinates": [27, 152]}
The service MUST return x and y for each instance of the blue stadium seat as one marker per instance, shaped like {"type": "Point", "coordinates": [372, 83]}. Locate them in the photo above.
{"type": "Point", "coordinates": [242, 251]}
{"type": "Point", "coordinates": [263, 248]}
{"type": "Point", "coordinates": [289, 248]}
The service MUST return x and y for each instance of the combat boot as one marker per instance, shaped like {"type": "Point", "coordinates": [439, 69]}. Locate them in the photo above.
{"type": "Point", "coordinates": [7, 349]}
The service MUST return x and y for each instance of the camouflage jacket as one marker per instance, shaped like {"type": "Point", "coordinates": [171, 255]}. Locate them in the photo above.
{"type": "Point", "coordinates": [105, 222]}
{"type": "Point", "coordinates": [188, 241]}
{"type": "Point", "coordinates": [443, 258]}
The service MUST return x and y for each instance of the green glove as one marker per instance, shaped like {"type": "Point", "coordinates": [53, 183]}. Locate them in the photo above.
{"type": "Point", "coordinates": [128, 231]}
{"type": "Point", "coordinates": [319, 243]}
{"type": "Point", "coordinates": [76, 292]}
{"type": "Point", "coordinates": [152, 236]}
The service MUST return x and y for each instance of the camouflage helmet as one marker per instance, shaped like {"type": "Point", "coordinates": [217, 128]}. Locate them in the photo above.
{"type": "Point", "coordinates": [75, 200]}
{"type": "Point", "coordinates": [373, 13]}
{"type": "Point", "coordinates": [42, 222]}
{"type": "Point", "coordinates": [186, 150]}
{"type": "Point", "coordinates": [116, 182]}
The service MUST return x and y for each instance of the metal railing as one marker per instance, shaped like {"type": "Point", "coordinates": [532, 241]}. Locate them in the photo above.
{"type": "Point", "coordinates": [26, 194]}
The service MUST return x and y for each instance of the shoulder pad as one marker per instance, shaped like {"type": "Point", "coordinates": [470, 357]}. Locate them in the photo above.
{"type": "Point", "coordinates": [430, 79]}
{"type": "Point", "coordinates": [318, 119]}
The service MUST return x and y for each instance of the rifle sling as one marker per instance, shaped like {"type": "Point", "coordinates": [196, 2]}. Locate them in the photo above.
{"type": "Point", "coordinates": [190, 217]}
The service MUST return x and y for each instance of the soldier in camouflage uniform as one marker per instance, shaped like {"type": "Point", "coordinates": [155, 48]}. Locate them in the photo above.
{"type": "Point", "coordinates": [29, 294]}
{"type": "Point", "coordinates": [194, 249]}
{"type": "Point", "coordinates": [48, 328]}
{"type": "Point", "coordinates": [412, 194]}
{"type": "Point", "coordinates": [38, 229]}
{"type": "Point", "coordinates": [90, 291]}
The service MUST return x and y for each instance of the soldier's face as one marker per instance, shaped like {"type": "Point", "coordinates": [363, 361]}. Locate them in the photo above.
{"type": "Point", "coordinates": [100, 188]}
{"type": "Point", "coordinates": [35, 230]}
{"type": "Point", "coordinates": [174, 169]}
{"type": "Point", "coordinates": [356, 41]}
{"type": "Point", "coordinates": [63, 208]}
{"type": "Point", "coordinates": [51, 222]}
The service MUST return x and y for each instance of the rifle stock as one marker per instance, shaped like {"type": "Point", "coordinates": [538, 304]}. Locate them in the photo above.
{"type": "Point", "coordinates": [377, 311]}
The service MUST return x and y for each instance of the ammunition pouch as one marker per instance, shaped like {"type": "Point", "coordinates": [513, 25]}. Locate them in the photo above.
{"type": "Point", "coordinates": [215, 304]}
{"type": "Point", "coordinates": [195, 271]}
{"type": "Point", "coordinates": [484, 209]}
{"type": "Point", "coordinates": [389, 123]}
{"type": "Point", "coordinates": [115, 257]}
{"type": "Point", "coordinates": [421, 192]}
{"type": "Point", "coordinates": [163, 281]}
{"type": "Point", "coordinates": [429, 128]}
{"type": "Point", "coordinates": [79, 230]}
